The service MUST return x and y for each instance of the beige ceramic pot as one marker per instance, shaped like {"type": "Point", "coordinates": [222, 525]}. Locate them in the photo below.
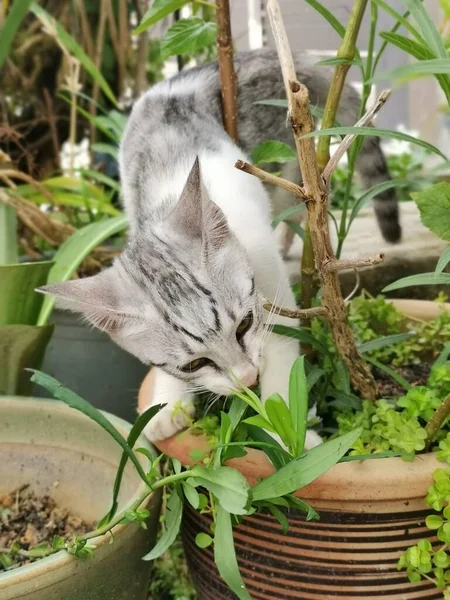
{"type": "Point", "coordinates": [61, 452]}
{"type": "Point", "coordinates": [370, 512]}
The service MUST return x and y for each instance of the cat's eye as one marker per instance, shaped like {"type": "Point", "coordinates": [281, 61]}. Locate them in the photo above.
{"type": "Point", "coordinates": [196, 364]}
{"type": "Point", "coordinates": [244, 326]}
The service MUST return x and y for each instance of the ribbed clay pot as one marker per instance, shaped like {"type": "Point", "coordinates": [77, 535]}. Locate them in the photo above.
{"type": "Point", "coordinates": [61, 452]}
{"type": "Point", "coordinates": [370, 513]}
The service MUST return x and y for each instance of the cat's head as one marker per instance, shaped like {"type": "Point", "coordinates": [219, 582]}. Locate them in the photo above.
{"type": "Point", "coordinates": [181, 296]}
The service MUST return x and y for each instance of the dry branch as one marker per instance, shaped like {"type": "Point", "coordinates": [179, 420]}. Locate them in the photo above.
{"type": "Point", "coordinates": [296, 313]}
{"type": "Point", "coordinates": [226, 69]}
{"type": "Point", "coordinates": [269, 178]}
{"type": "Point", "coordinates": [317, 206]}
{"type": "Point", "coordinates": [340, 265]}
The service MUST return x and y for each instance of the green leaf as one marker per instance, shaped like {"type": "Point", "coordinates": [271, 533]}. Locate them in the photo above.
{"type": "Point", "coordinates": [279, 516]}
{"type": "Point", "coordinates": [443, 356]}
{"type": "Point", "coordinates": [313, 376]}
{"type": "Point", "coordinates": [19, 303]}
{"type": "Point", "coordinates": [443, 261]}
{"type": "Point", "coordinates": [376, 132]}
{"type": "Point", "coordinates": [433, 522]}
{"type": "Point", "coordinates": [305, 469]}
{"type": "Point", "coordinates": [12, 23]}
{"type": "Point", "coordinates": [258, 421]}
{"type": "Point", "coordinates": [281, 419]}
{"type": "Point", "coordinates": [277, 455]}
{"type": "Point", "coordinates": [132, 438]}
{"type": "Point", "coordinates": [400, 19]}
{"type": "Point", "coordinates": [328, 16]}
{"type": "Point", "coordinates": [109, 149]}
{"type": "Point", "coordinates": [436, 66]}
{"type": "Point", "coordinates": [422, 279]}
{"type": "Point", "coordinates": [159, 10]}
{"type": "Point", "coordinates": [393, 374]}
{"type": "Point", "coordinates": [74, 250]}
{"type": "Point", "coordinates": [314, 110]}
{"type": "Point", "coordinates": [237, 410]}
{"type": "Point", "coordinates": [192, 496]}
{"type": "Point", "coordinates": [9, 254]}
{"type": "Point", "coordinates": [288, 212]}
{"type": "Point", "coordinates": [332, 62]}
{"type": "Point", "coordinates": [272, 151]}
{"type": "Point", "coordinates": [298, 229]}
{"type": "Point", "coordinates": [388, 340]}
{"type": "Point", "coordinates": [228, 485]}
{"type": "Point", "coordinates": [427, 27]}
{"type": "Point", "coordinates": [434, 206]}
{"type": "Point", "coordinates": [188, 36]}
{"type": "Point", "coordinates": [298, 402]}
{"type": "Point", "coordinates": [369, 194]}
{"type": "Point", "coordinates": [301, 335]}
{"type": "Point", "coordinates": [61, 392]}
{"type": "Point", "coordinates": [225, 555]}
{"type": "Point", "coordinates": [412, 47]}
{"type": "Point", "coordinates": [203, 540]}
{"type": "Point", "coordinates": [174, 513]}
{"type": "Point", "coordinates": [72, 46]}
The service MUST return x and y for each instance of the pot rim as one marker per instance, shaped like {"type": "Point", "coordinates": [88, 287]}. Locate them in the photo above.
{"type": "Point", "coordinates": [63, 558]}
{"type": "Point", "coordinates": [400, 479]}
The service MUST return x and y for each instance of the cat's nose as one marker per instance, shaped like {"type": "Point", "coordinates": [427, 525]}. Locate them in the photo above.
{"type": "Point", "coordinates": [250, 377]}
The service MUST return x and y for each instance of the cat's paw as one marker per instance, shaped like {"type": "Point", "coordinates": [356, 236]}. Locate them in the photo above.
{"type": "Point", "coordinates": [312, 439]}
{"type": "Point", "coordinates": [169, 421]}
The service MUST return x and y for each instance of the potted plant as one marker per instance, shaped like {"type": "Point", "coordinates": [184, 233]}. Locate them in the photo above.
{"type": "Point", "coordinates": [53, 454]}
{"type": "Point", "coordinates": [370, 511]}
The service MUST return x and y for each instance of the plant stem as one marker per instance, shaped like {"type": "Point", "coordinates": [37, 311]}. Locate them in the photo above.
{"type": "Point", "coordinates": [8, 235]}
{"type": "Point", "coordinates": [226, 68]}
{"type": "Point", "coordinates": [317, 204]}
{"type": "Point", "coordinates": [437, 420]}
{"type": "Point", "coordinates": [308, 275]}
{"type": "Point", "coordinates": [346, 51]}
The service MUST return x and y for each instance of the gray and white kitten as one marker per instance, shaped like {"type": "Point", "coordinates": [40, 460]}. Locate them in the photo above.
{"type": "Point", "coordinates": [186, 295]}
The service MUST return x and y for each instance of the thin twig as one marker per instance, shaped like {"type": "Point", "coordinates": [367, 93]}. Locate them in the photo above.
{"type": "Point", "coordinates": [350, 138]}
{"type": "Point", "coordinates": [296, 313]}
{"type": "Point", "coordinates": [269, 178]}
{"type": "Point", "coordinates": [355, 289]}
{"type": "Point", "coordinates": [340, 265]}
{"type": "Point", "coordinates": [226, 69]}
{"type": "Point", "coordinates": [437, 420]}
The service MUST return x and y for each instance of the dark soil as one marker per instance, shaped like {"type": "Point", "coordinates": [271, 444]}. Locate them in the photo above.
{"type": "Point", "coordinates": [30, 520]}
{"type": "Point", "coordinates": [414, 374]}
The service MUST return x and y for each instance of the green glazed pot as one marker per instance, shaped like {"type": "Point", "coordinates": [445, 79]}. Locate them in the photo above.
{"type": "Point", "coordinates": [61, 452]}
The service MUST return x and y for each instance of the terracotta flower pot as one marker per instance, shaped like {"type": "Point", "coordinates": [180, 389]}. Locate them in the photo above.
{"type": "Point", "coordinates": [370, 512]}
{"type": "Point", "coordinates": [60, 452]}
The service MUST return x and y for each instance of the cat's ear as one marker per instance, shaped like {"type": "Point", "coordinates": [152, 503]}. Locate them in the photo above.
{"type": "Point", "coordinates": [94, 297]}
{"type": "Point", "coordinates": [215, 226]}
{"type": "Point", "coordinates": [186, 217]}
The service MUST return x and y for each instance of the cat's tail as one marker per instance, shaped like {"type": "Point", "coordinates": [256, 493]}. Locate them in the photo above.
{"type": "Point", "coordinates": [372, 169]}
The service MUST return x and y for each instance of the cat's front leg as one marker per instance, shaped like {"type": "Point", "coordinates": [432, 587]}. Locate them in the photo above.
{"type": "Point", "coordinates": [178, 408]}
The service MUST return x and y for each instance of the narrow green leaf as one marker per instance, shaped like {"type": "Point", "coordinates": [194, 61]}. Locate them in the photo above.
{"type": "Point", "coordinates": [237, 410]}
{"type": "Point", "coordinates": [328, 16]}
{"type": "Point", "coordinates": [301, 335]}
{"type": "Point", "coordinates": [443, 261]}
{"type": "Point", "coordinates": [12, 23]}
{"type": "Point", "coordinates": [377, 132]}
{"type": "Point", "coordinates": [258, 421]}
{"type": "Point", "coordinates": [382, 342]}
{"type": "Point", "coordinates": [305, 469]}
{"type": "Point", "coordinates": [228, 485]}
{"type": "Point", "coordinates": [435, 66]}
{"type": "Point", "coordinates": [412, 47]}
{"type": "Point", "coordinates": [443, 356]}
{"type": "Point", "coordinates": [279, 516]}
{"type": "Point", "coordinates": [311, 514]}
{"type": "Point", "coordinates": [132, 438]}
{"type": "Point", "coordinates": [434, 206]}
{"type": "Point", "coordinates": [288, 212]}
{"type": "Point", "coordinates": [74, 250]}
{"type": "Point", "coordinates": [188, 36]}
{"type": "Point", "coordinates": [73, 47]}
{"type": "Point", "coordinates": [109, 149]}
{"type": "Point", "coordinates": [422, 279]}
{"type": "Point", "coordinates": [281, 419]}
{"type": "Point", "coordinates": [101, 178]}
{"type": "Point", "coordinates": [296, 228]}
{"type": "Point", "coordinates": [159, 10]}
{"type": "Point", "coordinates": [427, 27]}
{"type": "Point", "coordinates": [371, 193]}
{"type": "Point", "coordinates": [332, 62]}
{"type": "Point", "coordinates": [174, 513]}
{"type": "Point", "coordinates": [316, 112]}
{"type": "Point", "coordinates": [313, 376]}
{"type": "Point", "coordinates": [400, 19]}
{"type": "Point", "coordinates": [298, 402]}
{"type": "Point", "coordinates": [345, 400]}
{"type": "Point", "coordinates": [61, 392]}
{"type": "Point", "coordinates": [225, 555]}
{"type": "Point", "coordinates": [9, 254]}
{"type": "Point", "coordinates": [277, 455]}
{"type": "Point", "coordinates": [272, 151]}
{"type": "Point", "coordinates": [393, 374]}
